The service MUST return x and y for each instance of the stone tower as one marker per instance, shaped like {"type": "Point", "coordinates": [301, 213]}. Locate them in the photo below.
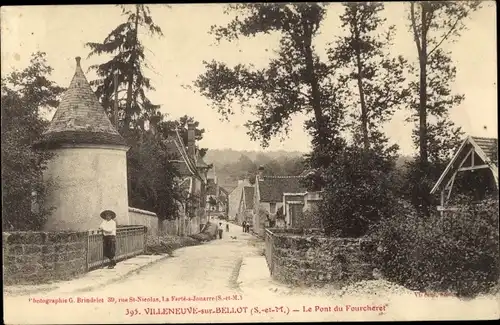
{"type": "Point", "coordinates": [88, 172]}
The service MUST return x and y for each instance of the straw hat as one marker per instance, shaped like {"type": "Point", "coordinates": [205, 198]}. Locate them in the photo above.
{"type": "Point", "coordinates": [112, 213]}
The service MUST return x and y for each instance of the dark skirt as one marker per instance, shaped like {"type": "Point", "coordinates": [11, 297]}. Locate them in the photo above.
{"type": "Point", "coordinates": [109, 246]}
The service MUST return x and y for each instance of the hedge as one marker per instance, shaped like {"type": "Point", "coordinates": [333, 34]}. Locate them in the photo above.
{"type": "Point", "coordinates": [457, 252]}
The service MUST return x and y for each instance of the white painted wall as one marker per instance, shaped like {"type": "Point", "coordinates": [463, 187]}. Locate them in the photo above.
{"type": "Point", "coordinates": [87, 179]}
{"type": "Point", "coordinates": [144, 218]}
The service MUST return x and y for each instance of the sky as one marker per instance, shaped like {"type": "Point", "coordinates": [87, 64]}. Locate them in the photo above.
{"type": "Point", "coordinates": [177, 59]}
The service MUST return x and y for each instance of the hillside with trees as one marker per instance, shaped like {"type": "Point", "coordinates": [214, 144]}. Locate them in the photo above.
{"type": "Point", "coordinates": [232, 165]}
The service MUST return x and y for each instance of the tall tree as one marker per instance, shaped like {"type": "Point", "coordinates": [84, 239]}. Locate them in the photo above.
{"type": "Point", "coordinates": [370, 69]}
{"type": "Point", "coordinates": [433, 23]}
{"type": "Point", "coordinates": [296, 81]}
{"type": "Point", "coordinates": [128, 63]}
{"type": "Point", "coordinates": [152, 179]}
{"type": "Point", "coordinates": [25, 94]}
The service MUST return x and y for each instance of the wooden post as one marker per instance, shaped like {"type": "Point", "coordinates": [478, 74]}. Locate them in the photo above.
{"type": "Point", "coordinates": [115, 110]}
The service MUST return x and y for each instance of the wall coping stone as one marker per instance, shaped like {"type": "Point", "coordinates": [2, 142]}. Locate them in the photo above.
{"type": "Point", "coordinates": [41, 237]}
{"type": "Point", "coordinates": [149, 213]}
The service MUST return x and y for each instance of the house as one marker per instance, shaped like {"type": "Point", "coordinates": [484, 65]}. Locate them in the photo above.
{"type": "Point", "coordinates": [217, 197]}
{"type": "Point", "coordinates": [192, 175]}
{"type": "Point", "coordinates": [268, 198]}
{"type": "Point", "coordinates": [245, 209]}
{"type": "Point", "coordinates": [473, 172]}
{"type": "Point", "coordinates": [235, 199]}
{"type": "Point", "coordinates": [301, 209]}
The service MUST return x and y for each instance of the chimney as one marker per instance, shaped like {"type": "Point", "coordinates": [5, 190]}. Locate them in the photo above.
{"type": "Point", "coordinates": [260, 172]}
{"type": "Point", "coordinates": [191, 140]}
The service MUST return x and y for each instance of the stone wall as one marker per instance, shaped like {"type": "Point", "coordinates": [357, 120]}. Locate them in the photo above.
{"type": "Point", "coordinates": [306, 257]}
{"type": "Point", "coordinates": [37, 257]}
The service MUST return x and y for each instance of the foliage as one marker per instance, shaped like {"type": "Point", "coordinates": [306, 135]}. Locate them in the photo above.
{"type": "Point", "coordinates": [357, 192]}
{"type": "Point", "coordinates": [264, 216]}
{"type": "Point", "coordinates": [128, 63]}
{"type": "Point", "coordinates": [433, 23]}
{"type": "Point", "coordinates": [212, 201]}
{"type": "Point", "coordinates": [372, 75]}
{"type": "Point", "coordinates": [295, 81]}
{"type": "Point", "coordinates": [24, 95]}
{"type": "Point", "coordinates": [457, 252]}
{"type": "Point", "coordinates": [357, 184]}
{"type": "Point", "coordinates": [152, 179]}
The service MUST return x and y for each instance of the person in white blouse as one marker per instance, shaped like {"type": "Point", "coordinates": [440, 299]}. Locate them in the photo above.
{"type": "Point", "coordinates": [108, 227]}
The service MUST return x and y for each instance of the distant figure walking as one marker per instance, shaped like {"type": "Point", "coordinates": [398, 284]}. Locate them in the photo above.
{"type": "Point", "coordinates": [220, 230]}
{"type": "Point", "coordinates": [108, 227]}
{"type": "Point", "coordinates": [247, 226]}
{"type": "Point", "coordinates": [244, 226]}
{"type": "Point", "coordinates": [227, 227]}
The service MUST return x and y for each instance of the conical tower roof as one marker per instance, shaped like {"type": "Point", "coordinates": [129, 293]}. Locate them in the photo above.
{"type": "Point", "coordinates": [80, 118]}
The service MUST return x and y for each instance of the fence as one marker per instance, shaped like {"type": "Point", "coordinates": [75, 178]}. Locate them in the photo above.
{"type": "Point", "coordinates": [269, 244]}
{"type": "Point", "coordinates": [130, 241]}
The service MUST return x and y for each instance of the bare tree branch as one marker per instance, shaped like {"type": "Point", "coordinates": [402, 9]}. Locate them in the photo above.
{"type": "Point", "coordinates": [450, 31]}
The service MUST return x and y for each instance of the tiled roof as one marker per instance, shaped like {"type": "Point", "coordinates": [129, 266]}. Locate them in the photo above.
{"type": "Point", "coordinates": [179, 156]}
{"type": "Point", "coordinates": [248, 192]}
{"type": "Point", "coordinates": [271, 188]}
{"type": "Point", "coordinates": [489, 147]}
{"type": "Point", "coordinates": [80, 117]}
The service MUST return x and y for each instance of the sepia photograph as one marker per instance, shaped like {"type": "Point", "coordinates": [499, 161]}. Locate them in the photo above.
{"type": "Point", "coordinates": [249, 162]}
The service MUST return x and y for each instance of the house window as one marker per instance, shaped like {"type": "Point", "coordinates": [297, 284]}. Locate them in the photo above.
{"type": "Point", "coordinates": [272, 208]}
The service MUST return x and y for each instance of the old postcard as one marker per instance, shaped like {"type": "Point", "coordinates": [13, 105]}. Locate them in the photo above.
{"type": "Point", "coordinates": [250, 162]}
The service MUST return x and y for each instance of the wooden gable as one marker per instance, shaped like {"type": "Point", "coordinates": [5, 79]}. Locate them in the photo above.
{"type": "Point", "coordinates": [476, 156]}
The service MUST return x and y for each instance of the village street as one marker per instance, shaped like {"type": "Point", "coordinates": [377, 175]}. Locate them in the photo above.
{"type": "Point", "coordinates": [204, 271]}
{"type": "Point", "coordinates": [231, 284]}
